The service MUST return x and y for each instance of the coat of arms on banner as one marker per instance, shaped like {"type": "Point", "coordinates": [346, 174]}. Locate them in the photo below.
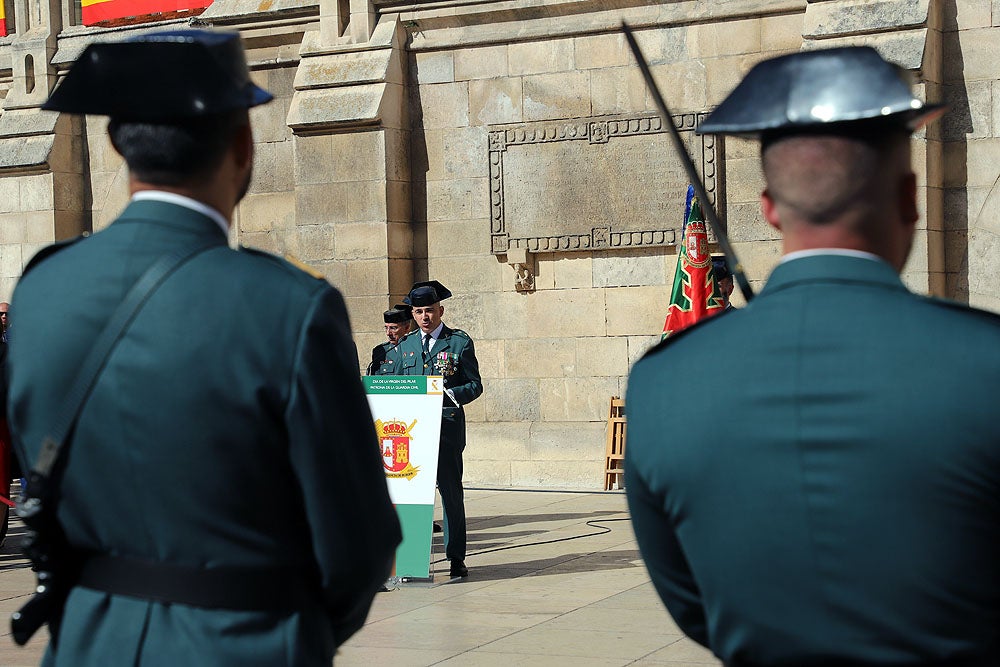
{"type": "Point", "coordinates": [394, 437]}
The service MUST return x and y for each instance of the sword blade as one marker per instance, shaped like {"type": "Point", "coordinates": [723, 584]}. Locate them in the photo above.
{"type": "Point", "coordinates": [699, 187]}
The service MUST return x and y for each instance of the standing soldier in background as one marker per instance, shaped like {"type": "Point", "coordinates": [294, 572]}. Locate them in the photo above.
{"type": "Point", "coordinates": [4, 321]}
{"type": "Point", "coordinates": [724, 278]}
{"type": "Point", "coordinates": [436, 349]}
{"type": "Point", "coordinates": [397, 324]}
{"type": "Point", "coordinates": [847, 510]}
{"type": "Point", "coordinates": [221, 494]}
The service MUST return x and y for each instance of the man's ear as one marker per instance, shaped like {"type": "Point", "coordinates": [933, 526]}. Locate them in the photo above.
{"type": "Point", "coordinates": [111, 138]}
{"type": "Point", "coordinates": [908, 199]}
{"type": "Point", "coordinates": [243, 146]}
{"type": "Point", "coordinates": [770, 209]}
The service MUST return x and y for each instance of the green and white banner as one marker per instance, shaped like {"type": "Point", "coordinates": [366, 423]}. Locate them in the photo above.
{"type": "Point", "coordinates": [407, 413]}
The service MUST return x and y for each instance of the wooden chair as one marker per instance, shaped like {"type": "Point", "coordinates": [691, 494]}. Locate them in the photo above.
{"type": "Point", "coordinates": [614, 457]}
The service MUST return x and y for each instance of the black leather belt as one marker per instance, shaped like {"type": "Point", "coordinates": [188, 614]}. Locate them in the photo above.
{"type": "Point", "coordinates": [235, 588]}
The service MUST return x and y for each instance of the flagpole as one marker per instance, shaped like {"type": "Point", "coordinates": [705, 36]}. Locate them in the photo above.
{"type": "Point", "coordinates": [708, 210]}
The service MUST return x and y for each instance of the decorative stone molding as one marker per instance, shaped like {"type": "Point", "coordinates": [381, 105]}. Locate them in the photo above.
{"type": "Point", "coordinates": [859, 17]}
{"type": "Point", "coordinates": [340, 87]}
{"type": "Point", "coordinates": [438, 24]}
{"type": "Point", "coordinates": [898, 29]}
{"type": "Point", "coordinates": [243, 13]}
{"type": "Point", "coordinates": [27, 134]}
{"type": "Point", "coordinates": [587, 163]}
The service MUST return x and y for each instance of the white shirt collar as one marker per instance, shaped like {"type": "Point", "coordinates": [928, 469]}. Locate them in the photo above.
{"type": "Point", "coordinates": [186, 202]}
{"type": "Point", "coordinates": [845, 252]}
{"type": "Point", "coordinates": [434, 335]}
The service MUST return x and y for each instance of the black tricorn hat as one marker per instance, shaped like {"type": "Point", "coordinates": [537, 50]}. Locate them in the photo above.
{"type": "Point", "coordinates": [398, 314]}
{"type": "Point", "coordinates": [160, 77]}
{"type": "Point", "coordinates": [427, 293]}
{"type": "Point", "coordinates": [720, 267]}
{"type": "Point", "coordinates": [815, 89]}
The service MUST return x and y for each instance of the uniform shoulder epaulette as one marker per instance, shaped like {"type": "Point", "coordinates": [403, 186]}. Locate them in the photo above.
{"type": "Point", "coordinates": [679, 335]}
{"type": "Point", "coordinates": [460, 333]}
{"type": "Point", "coordinates": [408, 334]}
{"type": "Point", "coordinates": [964, 308]}
{"type": "Point", "coordinates": [305, 268]}
{"type": "Point", "coordinates": [288, 261]}
{"type": "Point", "coordinates": [50, 250]}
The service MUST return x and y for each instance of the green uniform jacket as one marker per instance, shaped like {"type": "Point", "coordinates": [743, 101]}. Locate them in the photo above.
{"type": "Point", "coordinates": [460, 369]}
{"type": "Point", "coordinates": [817, 476]}
{"type": "Point", "coordinates": [229, 428]}
{"type": "Point", "coordinates": [379, 353]}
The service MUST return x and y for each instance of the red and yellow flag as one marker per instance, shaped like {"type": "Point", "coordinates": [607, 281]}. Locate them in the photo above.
{"type": "Point", "coordinates": [695, 294]}
{"type": "Point", "coordinates": [103, 12]}
{"type": "Point", "coordinates": [3, 21]}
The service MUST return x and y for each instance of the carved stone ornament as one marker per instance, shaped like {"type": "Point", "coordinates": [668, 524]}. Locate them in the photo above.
{"type": "Point", "coordinates": [524, 276]}
{"type": "Point", "coordinates": [599, 183]}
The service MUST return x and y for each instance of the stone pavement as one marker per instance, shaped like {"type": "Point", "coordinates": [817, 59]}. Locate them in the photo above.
{"type": "Point", "coordinates": [556, 579]}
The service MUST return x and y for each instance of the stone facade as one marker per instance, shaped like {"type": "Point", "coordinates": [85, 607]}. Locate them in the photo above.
{"type": "Point", "coordinates": [378, 164]}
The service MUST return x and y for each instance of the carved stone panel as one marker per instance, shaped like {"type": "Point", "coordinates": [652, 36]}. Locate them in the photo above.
{"type": "Point", "coordinates": [595, 183]}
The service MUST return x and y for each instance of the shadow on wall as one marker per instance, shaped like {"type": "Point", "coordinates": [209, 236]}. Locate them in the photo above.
{"type": "Point", "coordinates": [956, 126]}
{"type": "Point", "coordinates": [419, 166]}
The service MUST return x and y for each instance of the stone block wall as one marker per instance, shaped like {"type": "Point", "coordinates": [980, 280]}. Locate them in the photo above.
{"type": "Point", "coordinates": [108, 175]}
{"type": "Point", "coordinates": [373, 167]}
{"type": "Point", "coordinates": [553, 357]}
{"type": "Point", "coordinates": [352, 170]}
{"type": "Point", "coordinates": [267, 217]}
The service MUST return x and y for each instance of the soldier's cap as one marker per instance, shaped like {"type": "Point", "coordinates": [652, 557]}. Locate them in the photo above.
{"type": "Point", "coordinates": [159, 77]}
{"type": "Point", "coordinates": [427, 293]}
{"type": "Point", "coordinates": [813, 90]}
{"type": "Point", "coordinates": [398, 314]}
{"type": "Point", "coordinates": [720, 267]}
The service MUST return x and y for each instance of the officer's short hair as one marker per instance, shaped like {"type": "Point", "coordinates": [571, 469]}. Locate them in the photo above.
{"type": "Point", "coordinates": [177, 152]}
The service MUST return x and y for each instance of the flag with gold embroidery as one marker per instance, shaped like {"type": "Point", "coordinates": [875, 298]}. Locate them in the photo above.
{"type": "Point", "coordinates": [695, 294]}
{"type": "Point", "coordinates": [121, 12]}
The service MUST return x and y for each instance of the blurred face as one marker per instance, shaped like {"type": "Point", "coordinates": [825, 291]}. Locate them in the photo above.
{"type": "Point", "coordinates": [726, 286]}
{"type": "Point", "coordinates": [396, 330]}
{"type": "Point", "coordinates": [428, 317]}
{"type": "Point", "coordinates": [3, 315]}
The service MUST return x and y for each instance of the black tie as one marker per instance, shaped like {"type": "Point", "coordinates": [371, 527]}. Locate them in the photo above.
{"type": "Point", "coordinates": [427, 351]}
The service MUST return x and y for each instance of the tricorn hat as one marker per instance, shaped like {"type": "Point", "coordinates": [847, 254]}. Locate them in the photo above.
{"type": "Point", "coordinates": [427, 293]}
{"type": "Point", "coordinates": [398, 314]}
{"type": "Point", "coordinates": [160, 77]}
{"type": "Point", "coordinates": [720, 267]}
{"type": "Point", "coordinates": [812, 89]}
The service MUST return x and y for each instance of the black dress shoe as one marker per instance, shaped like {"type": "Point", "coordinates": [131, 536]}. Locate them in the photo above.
{"type": "Point", "coordinates": [438, 528]}
{"type": "Point", "coordinates": [458, 568]}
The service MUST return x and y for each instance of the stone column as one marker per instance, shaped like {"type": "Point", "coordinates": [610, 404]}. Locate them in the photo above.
{"type": "Point", "coordinates": [41, 153]}
{"type": "Point", "coordinates": [346, 21]}
{"type": "Point", "coordinates": [352, 174]}
{"type": "Point", "coordinates": [971, 137]}
{"type": "Point", "coordinates": [908, 33]}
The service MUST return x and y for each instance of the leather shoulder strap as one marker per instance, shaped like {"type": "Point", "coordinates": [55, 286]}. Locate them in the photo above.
{"type": "Point", "coordinates": [95, 361]}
